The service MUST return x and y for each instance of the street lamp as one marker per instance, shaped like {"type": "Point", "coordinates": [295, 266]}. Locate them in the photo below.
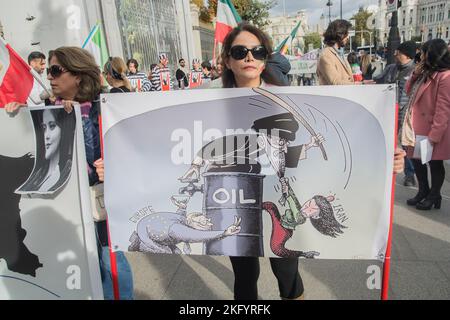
{"type": "Point", "coordinates": [329, 4]}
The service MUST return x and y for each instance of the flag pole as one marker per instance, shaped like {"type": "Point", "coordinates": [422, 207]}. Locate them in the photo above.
{"type": "Point", "coordinates": [112, 254]}
{"type": "Point", "coordinates": [387, 261]}
{"type": "Point", "coordinates": [37, 77]}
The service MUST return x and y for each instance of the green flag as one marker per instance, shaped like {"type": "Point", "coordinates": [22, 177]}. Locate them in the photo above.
{"type": "Point", "coordinates": [96, 45]}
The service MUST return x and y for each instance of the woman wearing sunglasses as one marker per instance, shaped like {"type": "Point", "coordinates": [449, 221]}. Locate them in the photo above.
{"type": "Point", "coordinates": [75, 78]}
{"type": "Point", "coordinates": [245, 53]}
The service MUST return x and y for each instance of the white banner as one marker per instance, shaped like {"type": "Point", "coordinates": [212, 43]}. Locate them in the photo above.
{"type": "Point", "coordinates": [312, 55]}
{"type": "Point", "coordinates": [303, 66]}
{"type": "Point", "coordinates": [275, 172]}
{"type": "Point", "coordinates": [47, 241]}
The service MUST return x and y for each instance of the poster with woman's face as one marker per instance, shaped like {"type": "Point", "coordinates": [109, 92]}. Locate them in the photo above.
{"type": "Point", "coordinates": [54, 133]}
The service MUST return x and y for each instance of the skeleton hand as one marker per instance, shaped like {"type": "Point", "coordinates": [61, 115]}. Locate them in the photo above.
{"type": "Point", "coordinates": [234, 228]}
{"type": "Point", "coordinates": [192, 175]}
{"type": "Point", "coordinates": [316, 141]}
{"type": "Point", "coordinates": [310, 254]}
{"type": "Point", "coordinates": [284, 186]}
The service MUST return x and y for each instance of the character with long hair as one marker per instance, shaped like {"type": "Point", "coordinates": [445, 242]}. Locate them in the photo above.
{"type": "Point", "coordinates": [55, 131]}
{"type": "Point", "coordinates": [318, 210]}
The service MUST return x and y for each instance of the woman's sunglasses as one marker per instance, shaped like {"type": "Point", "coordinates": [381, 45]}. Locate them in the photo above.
{"type": "Point", "coordinates": [55, 71]}
{"type": "Point", "coordinates": [240, 52]}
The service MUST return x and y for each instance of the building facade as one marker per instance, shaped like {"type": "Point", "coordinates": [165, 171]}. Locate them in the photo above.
{"type": "Point", "coordinates": [281, 27]}
{"type": "Point", "coordinates": [133, 28]}
{"type": "Point", "coordinates": [148, 28]}
{"type": "Point", "coordinates": [420, 20]}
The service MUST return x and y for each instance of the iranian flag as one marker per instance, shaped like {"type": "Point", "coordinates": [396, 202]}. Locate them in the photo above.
{"type": "Point", "coordinates": [227, 19]}
{"type": "Point", "coordinates": [16, 81]}
{"type": "Point", "coordinates": [96, 45]}
{"type": "Point", "coordinates": [284, 46]}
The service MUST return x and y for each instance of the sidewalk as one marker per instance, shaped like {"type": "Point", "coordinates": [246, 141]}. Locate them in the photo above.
{"type": "Point", "coordinates": [420, 266]}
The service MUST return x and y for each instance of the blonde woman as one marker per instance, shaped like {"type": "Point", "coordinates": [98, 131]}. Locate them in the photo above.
{"type": "Point", "coordinates": [115, 74]}
{"type": "Point", "coordinates": [366, 67]}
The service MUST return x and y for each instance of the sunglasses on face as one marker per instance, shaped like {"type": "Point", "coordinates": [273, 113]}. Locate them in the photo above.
{"type": "Point", "coordinates": [55, 71]}
{"type": "Point", "coordinates": [241, 52]}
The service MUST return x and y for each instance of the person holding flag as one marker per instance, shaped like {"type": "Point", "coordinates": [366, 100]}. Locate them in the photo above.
{"type": "Point", "coordinates": [76, 80]}
{"type": "Point", "coordinates": [37, 61]}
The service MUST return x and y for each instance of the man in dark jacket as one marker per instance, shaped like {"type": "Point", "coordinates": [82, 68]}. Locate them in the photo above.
{"type": "Point", "coordinates": [280, 66]}
{"type": "Point", "coordinates": [182, 75]}
{"type": "Point", "coordinates": [399, 73]}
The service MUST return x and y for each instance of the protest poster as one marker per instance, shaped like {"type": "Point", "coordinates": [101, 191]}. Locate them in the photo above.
{"type": "Point", "coordinates": [47, 242]}
{"type": "Point", "coordinates": [273, 171]}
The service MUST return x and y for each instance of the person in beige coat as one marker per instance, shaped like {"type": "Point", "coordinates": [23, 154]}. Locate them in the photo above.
{"type": "Point", "coordinates": [333, 68]}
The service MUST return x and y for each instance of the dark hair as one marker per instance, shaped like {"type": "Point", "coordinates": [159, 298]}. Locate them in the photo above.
{"type": "Point", "coordinates": [179, 61]}
{"type": "Point", "coordinates": [326, 224]}
{"type": "Point", "coordinates": [133, 61]}
{"type": "Point", "coordinates": [352, 58]}
{"type": "Point", "coordinates": [36, 55]}
{"type": "Point", "coordinates": [79, 62]}
{"type": "Point", "coordinates": [227, 74]}
{"type": "Point", "coordinates": [336, 32]}
{"type": "Point", "coordinates": [67, 123]}
{"type": "Point", "coordinates": [207, 65]}
{"type": "Point", "coordinates": [437, 57]}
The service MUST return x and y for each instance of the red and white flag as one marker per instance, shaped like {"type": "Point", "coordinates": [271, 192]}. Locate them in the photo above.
{"type": "Point", "coordinates": [227, 19]}
{"type": "Point", "coordinates": [16, 81]}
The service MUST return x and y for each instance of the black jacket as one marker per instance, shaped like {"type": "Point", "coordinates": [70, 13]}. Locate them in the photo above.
{"type": "Point", "coordinates": [279, 66]}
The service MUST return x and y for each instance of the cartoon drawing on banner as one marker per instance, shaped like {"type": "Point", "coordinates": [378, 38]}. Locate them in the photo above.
{"type": "Point", "coordinates": [162, 232]}
{"type": "Point", "coordinates": [227, 171]}
{"type": "Point", "coordinates": [55, 132]}
{"type": "Point", "coordinates": [18, 258]}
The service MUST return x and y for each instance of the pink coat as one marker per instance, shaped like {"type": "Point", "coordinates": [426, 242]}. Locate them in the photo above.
{"type": "Point", "coordinates": [431, 113]}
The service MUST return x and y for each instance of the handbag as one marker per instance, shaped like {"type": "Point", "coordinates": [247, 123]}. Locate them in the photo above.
{"type": "Point", "coordinates": [98, 202]}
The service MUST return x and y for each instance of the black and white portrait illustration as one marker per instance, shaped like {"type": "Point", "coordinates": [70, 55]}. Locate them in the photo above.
{"type": "Point", "coordinates": [55, 131]}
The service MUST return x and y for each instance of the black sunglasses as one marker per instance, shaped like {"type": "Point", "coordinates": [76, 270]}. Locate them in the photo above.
{"type": "Point", "coordinates": [240, 52]}
{"type": "Point", "coordinates": [55, 71]}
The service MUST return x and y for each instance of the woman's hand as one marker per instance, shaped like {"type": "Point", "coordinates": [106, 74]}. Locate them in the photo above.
{"type": "Point", "coordinates": [13, 108]}
{"type": "Point", "coordinates": [419, 68]}
{"type": "Point", "coordinates": [100, 168]}
{"type": "Point", "coordinates": [68, 105]}
{"type": "Point", "coordinates": [52, 100]}
{"type": "Point", "coordinates": [399, 160]}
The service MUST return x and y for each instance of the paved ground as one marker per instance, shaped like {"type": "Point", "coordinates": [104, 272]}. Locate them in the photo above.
{"type": "Point", "coordinates": [420, 265]}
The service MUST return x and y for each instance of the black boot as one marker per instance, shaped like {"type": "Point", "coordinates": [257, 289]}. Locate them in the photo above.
{"type": "Point", "coordinates": [429, 202]}
{"type": "Point", "coordinates": [418, 198]}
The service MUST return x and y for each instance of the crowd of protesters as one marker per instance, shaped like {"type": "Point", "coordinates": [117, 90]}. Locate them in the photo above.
{"type": "Point", "coordinates": [423, 98]}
